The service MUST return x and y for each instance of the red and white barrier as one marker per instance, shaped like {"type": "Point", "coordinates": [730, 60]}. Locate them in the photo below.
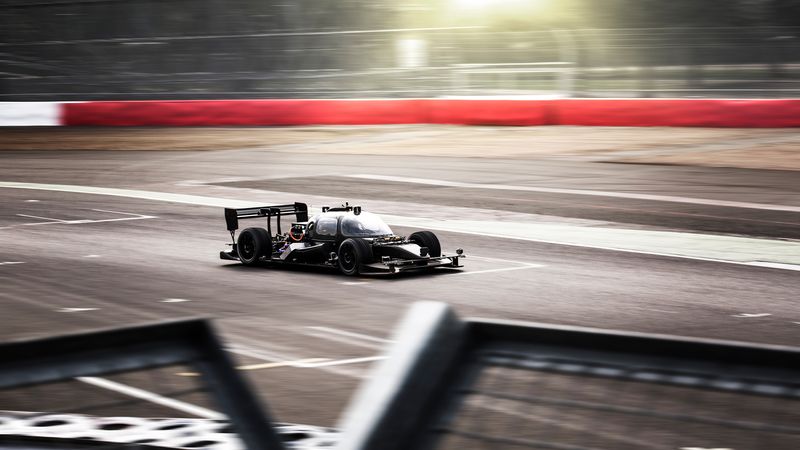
{"type": "Point", "coordinates": [763, 113]}
{"type": "Point", "coordinates": [13, 114]}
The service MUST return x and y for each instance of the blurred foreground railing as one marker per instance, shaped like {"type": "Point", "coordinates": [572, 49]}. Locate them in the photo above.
{"type": "Point", "coordinates": [455, 384]}
{"type": "Point", "coordinates": [447, 383]}
{"type": "Point", "coordinates": [59, 380]}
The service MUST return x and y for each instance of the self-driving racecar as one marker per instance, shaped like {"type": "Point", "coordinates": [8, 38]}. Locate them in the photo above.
{"type": "Point", "coordinates": [347, 238]}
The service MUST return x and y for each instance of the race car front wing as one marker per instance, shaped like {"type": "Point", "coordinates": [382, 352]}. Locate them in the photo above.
{"type": "Point", "coordinates": [402, 265]}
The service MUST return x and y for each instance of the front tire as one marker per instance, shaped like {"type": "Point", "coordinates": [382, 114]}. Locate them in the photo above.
{"type": "Point", "coordinates": [253, 243]}
{"type": "Point", "coordinates": [353, 252]}
{"type": "Point", "coordinates": [427, 239]}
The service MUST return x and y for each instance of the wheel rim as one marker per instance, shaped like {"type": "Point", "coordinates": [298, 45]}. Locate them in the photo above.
{"type": "Point", "coordinates": [347, 258]}
{"type": "Point", "coordinates": [247, 247]}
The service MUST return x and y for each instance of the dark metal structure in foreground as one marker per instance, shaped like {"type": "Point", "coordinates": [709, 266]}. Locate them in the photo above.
{"type": "Point", "coordinates": [459, 384]}
{"type": "Point", "coordinates": [447, 384]}
{"type": "Point", "coordinates": [68, 359]}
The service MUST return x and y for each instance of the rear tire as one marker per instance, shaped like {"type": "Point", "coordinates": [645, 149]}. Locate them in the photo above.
{"type": "Point", "coordinates": [353, 252]}
{"type": "Point", "coordinates": [427, 239]}
{"type": "Point", "coordinates": [253, 243]}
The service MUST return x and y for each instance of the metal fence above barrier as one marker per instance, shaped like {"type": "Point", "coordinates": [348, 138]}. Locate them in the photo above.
{"type": "Point", "coordinates": [176, 49]}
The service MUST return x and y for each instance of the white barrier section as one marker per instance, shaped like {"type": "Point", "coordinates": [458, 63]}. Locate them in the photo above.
{"type": "Point", "coordinates": [21, 114]}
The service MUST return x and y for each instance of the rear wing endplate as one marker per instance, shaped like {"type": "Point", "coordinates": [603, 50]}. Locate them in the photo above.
{"type": "Point", "coordinates": [232, 215]}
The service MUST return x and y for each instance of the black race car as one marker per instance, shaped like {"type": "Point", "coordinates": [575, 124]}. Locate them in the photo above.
{"type": "Point", "coordinates": [352, 240]}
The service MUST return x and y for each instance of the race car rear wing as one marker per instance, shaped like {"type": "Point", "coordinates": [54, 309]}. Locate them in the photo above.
{"type": "Point", "coordinates": [232, 215]}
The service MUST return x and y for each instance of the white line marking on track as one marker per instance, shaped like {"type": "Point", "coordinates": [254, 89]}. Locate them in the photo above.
{"type": "Point", "coordinates": [10, 263]}
{"type": "Point", "coordinates": [74, 310]}
{"type": "Point", "coordinates": [503, 269]}
{"type": "Point", "coordinates": [175, 300]}
{"type": "Point", "coordinates": [54, 221]}
{"type": "Point", "coordinates": [342, 362]}
{"type": "Point", "coordinates": [486, 258]}
{"type": "Point", "coordinates": [630, 195]}
{"type": "Point", "coordinates": [118, 212]}
{"type": "Point", "coordinates": [308, 363]}
{"type": "Point", "coordinates": [354, 283]}
{"type": "Point", "coordinates": [365, 337]}
{"type": "Point", "coordinates": [451, 229]}
{"type": "Point", "coordinates": [31, 201]}
{"type": "Point", "coordinates": [272, 365]}
{"type": "Point", "coordinates": [295, 363]}
{"type": "Point", "coordinates": [747, 315]}
{"type": "Point", "coordinates": [522, 266]}
{"type": "Point", "coordinates": [773, 265]}
{"type": "Point", "coordinates": [256, 353]}
{"type": "Point", "coordinates": [129, 193]}
{"type": "Point", "coordinates": [131, 391]}
{"type": "Point", "coordinates": [343, 340]}
{"type": "Point", "coordinates": [121, 219]}
{"type": "Point", "coordinates": [91, 256]}
{"type": "Point", "coordinates": [796, 323]}
{"type": "Point", "coordinates": [50, 219]}
{"type": "Point", "coordinates": [275, 358]}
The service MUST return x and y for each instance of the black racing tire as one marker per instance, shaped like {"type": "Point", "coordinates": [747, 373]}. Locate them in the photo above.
{"type": "Point", "coordinates": [353, 252]}
{"type": "Point", "coordinates": [427, 239]}
{"type": "Point", "coordinates": [253, 243]}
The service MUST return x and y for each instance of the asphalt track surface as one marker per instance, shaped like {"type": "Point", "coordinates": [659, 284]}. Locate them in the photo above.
{"type": "Point", "coordinates": [73, 261]}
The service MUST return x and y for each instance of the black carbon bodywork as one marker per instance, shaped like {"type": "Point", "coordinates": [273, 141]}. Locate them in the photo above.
{"type": "Point", "coordinates": [318, 241]}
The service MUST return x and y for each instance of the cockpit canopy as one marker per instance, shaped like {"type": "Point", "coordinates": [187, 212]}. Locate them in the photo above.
{"type": "Point", "coordinates": [364, 225]}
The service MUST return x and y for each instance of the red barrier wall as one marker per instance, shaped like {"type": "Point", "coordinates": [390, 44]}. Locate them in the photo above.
{"type": "Point", "coordinates": [598, 112]}
{"type": "Point", "coordinates": [242, 112]}
{"type": "Point", "coordinates": [489, 112]}
{"type": "Point", "coordinates": [679, 112]}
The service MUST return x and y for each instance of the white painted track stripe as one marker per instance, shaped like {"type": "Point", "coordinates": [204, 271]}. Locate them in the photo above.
{"type": "Point", "coordinates": [42, 218]}
{"type": "Point", "coordinates": [351, 334]}
{"type": "Point", "coordinates": [74, 310]}
{"type": "Point", "coordinates": [132, 193]}
{"type": "Point", "coordinates": [119, 212]}
{"type": "Point", "coordinates": [274, 358]}
{"type": "Point", "coordinates": [341, 339]}
{"type": "Point", "coordinates": [486, 258]}
{"type": "Point", "coordinates": [257, 353]}
{"type": "Point", "coordinates": [625, 240]}
{"type": "Point", "coordinates": [651, 197]}
{"type": "Point", "coordinates": [504, 269]}
{"type": "Point", "coordinates": [296, 363]}
{"type": "Point", "coordinates": [261, 366]}
{"type": "Point", "coordinates": [772, 265]}
{"type": "Point", "coordinates": [152, 397]}
{"type": "Point", "coordinates": [340, 362]}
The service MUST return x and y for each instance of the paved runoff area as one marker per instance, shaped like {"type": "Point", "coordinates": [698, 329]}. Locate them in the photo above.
{"type": "Point", "coordinates": [689, 232]}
